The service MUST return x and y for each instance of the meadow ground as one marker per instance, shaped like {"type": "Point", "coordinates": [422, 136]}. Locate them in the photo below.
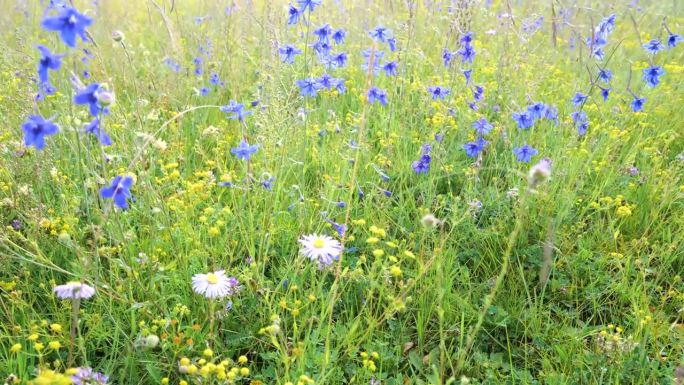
{"type": "Point", "coordinates": [341, 192]}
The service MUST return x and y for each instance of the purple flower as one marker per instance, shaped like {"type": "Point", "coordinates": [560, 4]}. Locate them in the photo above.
{"type": "Point", "coordinates": [86, 376]}
{"type": "Point", "coordinates": [89, 96]}
{"type": "Point", "coordinates": [524, 153]}
{"type": "Point", "coordinates": [244, 150]}
{"type": "Point", "coordinates": [292, 15]}
{"type": "Point", "coordinates": [311, 4]}
{"type": "Point", "coordinates": [36, 129]}
{"type": "Point", "coordinates": [338, 36]}
{"type": "Point", "coordinates": [380, 33]}
{"type": "Point", "coordinates": [652, 75]}
{"type": "Point", "coordinates": [74, 290]}
{"type": "Point", "coordinates": [472, 149]}
{"type": "Point", "coordinates": [119, 190]}
{"type": "Point", "coordinates": [69, 23]}
{"type": "Point", "coordinates": [673, 39]}
{"type": "Point", "coordinates": [47, 61]}
{"type": "Point", "coordinates": [654, 46]}
{"type": "Point", "coordinates": [308, 87]}
{"type": "Point", "coordinates": [377, 94]}
{"type": "Point", "coordinates": [94, 128]}
{"type": "Point", "coordinates": [579, 99]}
{"type": "Point", "coordinates": [390, 68]}
{"type": "Point", "coordinates": [236, 111]}
{"type": "Point", "coordinates": [524, 119]}
{"type": "Point", "coordinates": [638, 103]}
{"type": "Point", "coordinates": [438, 92]}
{"type": "Point", "coordinates": [447, 56]}
{"type": "Point", "coordinates": [482, 126]}
{"type": "Point", "coordinates": [422, 166]}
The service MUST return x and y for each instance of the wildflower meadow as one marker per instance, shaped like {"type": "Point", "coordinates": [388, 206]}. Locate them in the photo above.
{"type": "Point", "coordinates": [377, 192]}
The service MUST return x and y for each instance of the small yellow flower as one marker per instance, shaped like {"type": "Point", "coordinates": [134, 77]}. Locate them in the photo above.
{"type": "Point", "coordinates": [38, 346]}
{"type": "Point", "coordinates": [15, 348]}
{"type": "Point", "coordinates": [165, 381]}
{"type": "Point", "coordinates": [54, 345]}
{"type": "Point", "coordinates": [208, 353]}
{"type": "Point", "coordinates": [243, 360]}
{"type": "Point", "coordinates": [395, 271]}
{"type": "Point", "coordinates": [378, 253]}
{"type": "Point", "coordinates": [57, 328]}
{"type": "Point", "coordinates": [244, 372]}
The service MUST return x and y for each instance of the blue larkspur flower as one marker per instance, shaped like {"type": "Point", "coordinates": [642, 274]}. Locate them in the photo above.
{"type": "Point", "coordinates": [638, 103]}
{"type": "Point", "coordinates": [88, 96]}
{"type": "Point", "coordinates": [482, 126]}
{"type": "Point", "coordinates": [422, 166]}
{"type": "Point", "coordinates": [339, 59]}
{"type": "Point", "coordinates": [119, 191]}
{"type": "Point", "coordinates": [339, 36]}
{"type": "Point", "coordinates": [524, 119]}
{"type": "Point", "coordinates": [377, 94]}
{"type": "Point", "coordinates": [438, 92]}
{"type": "Point", "coordinates": [579, 99]}
{"type": "Point", "coordinates": [244, 150]}
{"type": "Point", "coordinates": [36, 129]}
{"type": "Point", "coordinates": [652, 75]}
{"type": "Point", "coordinates": [473, 148]}
{"type": "Point", "coordinates": [310, 4]}
{"type": "Point", "coordinates": [447, 56]}
{"type": "Point", "coordinates": [524, 153]}
{"type": "Point", "coordinates": [536, 110]}
{"type": "Point", "coordinates": [236, 111]}
{"type": "Point", "coordinates": [308, 87]}
{"type": "Point", "coordinates": [605, 93]}
{"type": "Point", "coordinates": [673, 39]}
{"type": "Point", "coordinates": [468, 74]}
{"type": "Point", "coordinates": [380, 33]}
{"type": "Point", "coordinates": [605, 75]}
{"type": "Point", "coordinates": [392, 43]}
{"type": "Point", "coordinates": [390, 68]}
{"type": "Point", "coordinates": [289, 52]}
{"type": "Point", "coordinates": [47, 61]}
{"type": "Point", "coordinates": [478, 93]}
{"type": "Point", "coordinates": [323, 33]}
{"type": "Point", "coordinates": [654, 46]}
{"type": "Point", "coordinates": [292, 15]}
{"type": "Point", "coordinates": [95, 128]}
{"type": "Point", "coordinates": [69, 23]}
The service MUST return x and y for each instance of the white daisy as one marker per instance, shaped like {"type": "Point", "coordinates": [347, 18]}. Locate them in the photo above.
{"type": "Point", "coordinates": [321, 248]}
{"type": "Point", "coordinates": [74, 290]}
{"type": "Point", "coordinates": [215, 285]}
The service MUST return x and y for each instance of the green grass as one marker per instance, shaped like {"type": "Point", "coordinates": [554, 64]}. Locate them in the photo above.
{"type": "Point", "coordinates": [470, 302]}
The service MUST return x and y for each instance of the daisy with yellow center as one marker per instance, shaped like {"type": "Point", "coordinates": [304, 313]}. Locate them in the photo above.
{"type": "Point", "coordinates": [215, 285]}
{"type": "Point", "coordinates": [320, 248]}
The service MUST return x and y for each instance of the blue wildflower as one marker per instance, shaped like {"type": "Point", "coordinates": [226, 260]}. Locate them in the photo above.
{"type": "Point", "coordinates": [654, 46]}
{"type": "Point", "coordinates": [338, 85]}
{"type": "Point", "coordinates": [268, 183]}
{"type": "Point", "coordinates": [472, 149]}
{"type": "Point", "coordinates": [447, 56]}
{"type": "Point", "coordinates": [638, 103]}
{"type": "Point", "coordinates": [94, 128]}
{"type": "Point", "coordinates": [482, 126]}
{"type": "Point", "coordinates": [89, 96]}
{"type": "Point", "coordinates": [377, 55]}
{"type": "Point", "coordinates": [119, 190]}
{"type": "Point", "coordinates": [323, 33]}
{"type": "Point", "coordinates": [340, 59]}
{"type": "Point", "coordinates": [326, 81]}
{"type": "Point", "coordinates": [524, 119]}
{"type": "Point", "coordinates": [536, 110]}
{"type": "Point", "coordinates": [69, 23]}
{"type": "Point", "coordinates": [438, 92]}
{"type": "Point", "coordinates": [237, 111]}
{"type": "Point", "coordinates": [390, 68]}
{"type": "Point", "coordinates": [289, 52]}
{"type": "Point", "coordinates": [652, 75]}
{"type": "Point", "coordinates": [36, 129]}
{"type": "Point", "coordinates": [579, 99]}
{"type": "Point", "coordinates": [380, 33]}
{"type": "Point", "coordinates": [468, 75]}
{"type": "Point", "coordinates": [478, 93]}
{"type": "Point", "coordinates": [322, 49]}
{"type": "Point", "coordinates": [244, 150]}
{"type": "Point", "coordinates": [422, 166]}
{"type": "Point", "coordinates": [525, 153]}
{"type": "Point", "coordinates": [551, 113]}
{"type": "Point", "coordinates": [392, 43]}
{"type": "Point", "coordinates": [377, 94]}
{"type": "Point", "coordinates": [467, 53]}
{"type": "Point", "coordinates": [308, 87]}
{"type": "Point", "coordinates": [673, 39]}
{"type": "Point", "coordinates": [339, 36]}
{"type": "Point", "coordinates": [292, 15]}
{"type": "Point", "coordinates": [311, 4]}
{"type": "Point", "coordinates": [47, 61]}
{"type": "Point", "coordinates": [605, 93]}
{"type": "Point", "coordinates": [605, 75]}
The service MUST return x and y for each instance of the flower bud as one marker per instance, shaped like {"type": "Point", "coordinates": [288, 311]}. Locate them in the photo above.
{"type": "Point", "coordinates": [118, 36]}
